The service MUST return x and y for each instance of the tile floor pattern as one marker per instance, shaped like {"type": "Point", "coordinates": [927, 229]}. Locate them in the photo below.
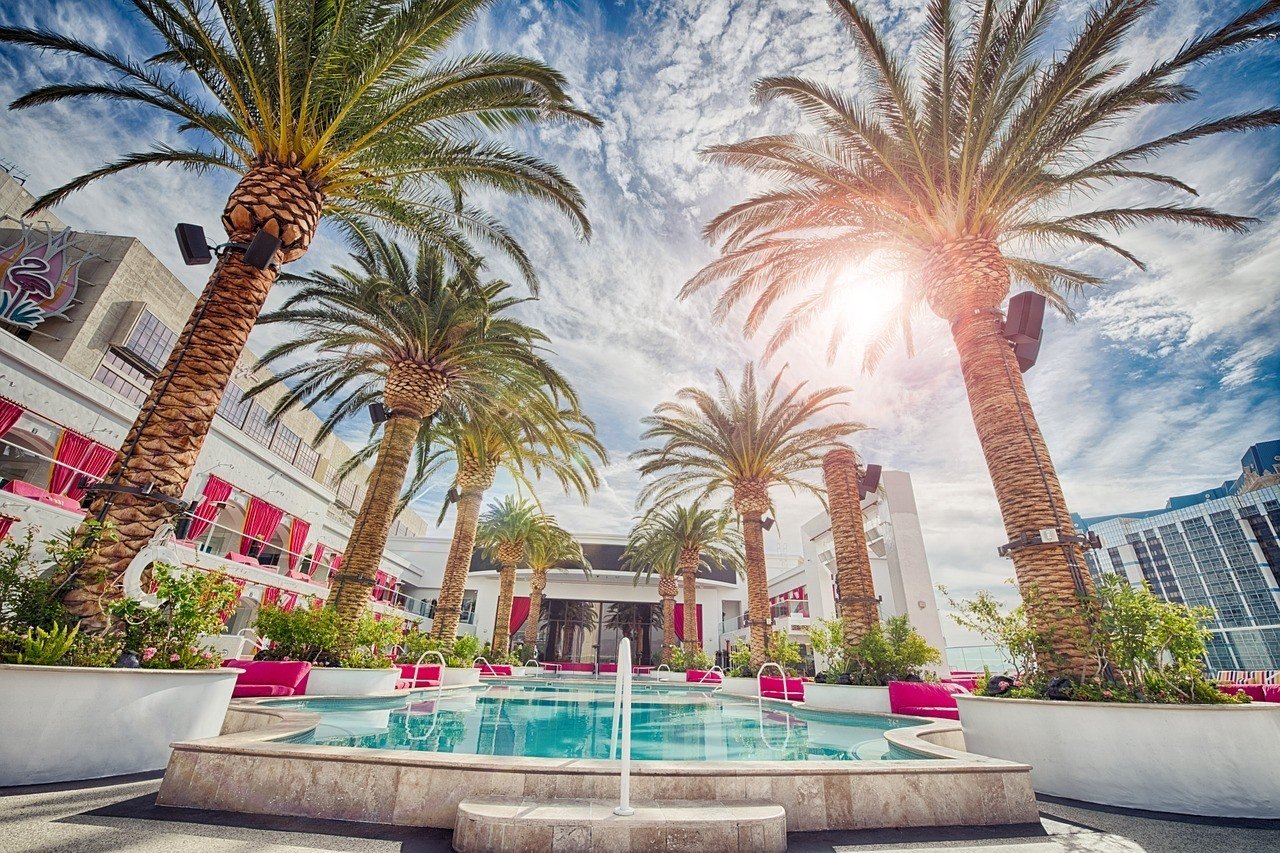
{"type": "Point", "coordinates": [121, 815]}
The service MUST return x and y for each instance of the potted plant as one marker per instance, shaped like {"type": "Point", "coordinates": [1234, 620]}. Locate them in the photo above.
{"type": "Point", "coordinates": [80, 706]}
{"type": "Point", "coordinates": [742, 680]}
{"type": "Point", "coordinates": [311, 634]}
{"type": "Point", "coordinates": [1142, 728]}
{"type": "Point", "coordinates": [459, 656]}
{"type": "Point", "coordinates": [855, 676]}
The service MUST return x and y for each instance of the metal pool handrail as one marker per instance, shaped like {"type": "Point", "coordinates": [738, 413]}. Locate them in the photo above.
{"type": "Point", "coordinates": [443, 666]}
{"type": "Point", "coordinates": [714, 669]}
{"type": "Point", "coordinates": [622, 711]}
{"type": "Point", "coordinates": [782, 674]}
{"type": "Point", "coordinates": [760, 705]}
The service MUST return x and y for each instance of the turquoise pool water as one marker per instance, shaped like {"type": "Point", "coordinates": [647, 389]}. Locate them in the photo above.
{"type": "Point", "coordinates": [573, 721]}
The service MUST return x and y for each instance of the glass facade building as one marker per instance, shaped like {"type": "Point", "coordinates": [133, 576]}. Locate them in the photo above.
{"type": "Point", "coordinates": [1222, 553]}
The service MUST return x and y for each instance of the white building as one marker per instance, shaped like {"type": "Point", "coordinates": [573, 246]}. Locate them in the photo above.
{"type": "Point", "coordinates": [585, 616]}
{"type": "Point", "coordinates": [86, 323]}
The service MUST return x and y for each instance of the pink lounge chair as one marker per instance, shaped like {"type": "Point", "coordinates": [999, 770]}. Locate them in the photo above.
{"type": "Point", "coordinates": [610, 669]}
{"type": "Point", "coordinates": [922, 699]}
{"type": "Point", "coordinates": [269, 677]}
{"type": "Point", "coordinates": [493, 668]}
{"type": "Point", "coordinates": [414, 677]}
{"type": "Point", "coordinates": [790, 689]}
{"type": "Point", "coordinates": [577, 667]}
{"type": "Point", "coordinates": [967, 682]}
{"type": "Point", "coordinates": [705, 676]}
{"type": "Point", "coordinates": [35, 493]}
{"type": "Point", "coordinates": [641, 670]}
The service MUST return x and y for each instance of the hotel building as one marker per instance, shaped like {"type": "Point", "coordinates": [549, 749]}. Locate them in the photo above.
{"type": "Point", "coordinates": [1217, 548]}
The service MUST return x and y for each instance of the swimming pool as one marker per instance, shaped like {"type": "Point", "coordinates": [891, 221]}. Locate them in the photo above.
{"type": "Point", "coordinates": [574, 721]}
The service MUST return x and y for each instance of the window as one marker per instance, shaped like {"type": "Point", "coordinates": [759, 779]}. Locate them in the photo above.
{"type": "Point", "coordinates": [150, 341]}
{"type": "Point", "coordinates": [123, 378]}
{"type": "Point", "coordinates": [285, 443]}
{"type": "Point", "coordinates": [308, 460]}
{"type": "Point", "coordinates": [234, 407]}
{"type": "Point", "coordinates": [257, 427]}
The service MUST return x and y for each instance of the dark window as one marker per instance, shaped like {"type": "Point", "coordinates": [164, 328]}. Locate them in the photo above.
{"type": "Point", "coordinates": [151, 341]}
{"type": "Point", "coordinates": [307, 460]}
{"type": "Point", "coordinates": [257, 427]}
{"type": "Point", "coordinates": [285, 443]}
{"type": "Point", "coordinates": [234, 407]}
{"type": "Point", "coordinates": [123, 378]}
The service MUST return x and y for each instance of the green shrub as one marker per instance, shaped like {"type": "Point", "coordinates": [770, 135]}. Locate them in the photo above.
{"type": "Point", "coordinates": [740, 660]}
{"type": "Point", "coordinates": [168, 636]}
{"type": "Point", "coordinates": [464, 651]}
{"type": "Point", "coordinates": [47, 648]}
{"type": "Point", "coordinates": [303, 633]}
{"type": "Point", "coordinates": [892, 650]}
{"type": "Point", "coordinates": [683, 661]}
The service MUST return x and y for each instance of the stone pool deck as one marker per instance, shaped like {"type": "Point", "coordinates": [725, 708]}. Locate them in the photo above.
{"type": "Point", "coordinates": [246, 770]}
{"type": "Point", "coordinates": [121, 814]}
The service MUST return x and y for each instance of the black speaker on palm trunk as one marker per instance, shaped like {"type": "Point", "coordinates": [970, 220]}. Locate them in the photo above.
{"type": "Point", "coordinates": [1023, 327]}
{"type": "Point", "coordinates": [870, 481]}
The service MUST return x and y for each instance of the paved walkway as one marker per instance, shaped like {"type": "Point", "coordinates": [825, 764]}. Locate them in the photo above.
{"type": "Point", "coordinates": [121, 814]}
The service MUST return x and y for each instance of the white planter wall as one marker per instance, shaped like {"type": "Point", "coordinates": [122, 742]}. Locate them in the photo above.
{"type": "Point", "coordinates": [63, 723]}
{"type": "Point", "coordinates": [340, 681]}
{"type": "Point", "coordinates": [1218, 760]}
{"type": "Point", "coordinates": [455, 675]}
{"type": "Point", "coordinates": [741, 686]}
{"type": "Point", "coordinates": [846, 697]}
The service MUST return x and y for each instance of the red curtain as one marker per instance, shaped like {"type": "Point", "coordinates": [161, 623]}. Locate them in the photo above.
{"type": "Point", "coordinates": [96, 462]}
{"type": "Point", "coordinates": [519, 612]}
{"type": "Point", "coordinates": [9, 414]}
{"type": "Point", "coordinates": [216, 491]}
{"type": "Point", "coordinates": [67, 456]}
{"type": "Point", "coordinates": [298, 532]}
{"type": "Point", "coordinates": [6, 521]}
{"type": "Point", "coordinates": [379, 586]}
{"type": "Point", "coordinates": [679, 617]}
{"type": "Point", "coordinates": [260, 523]}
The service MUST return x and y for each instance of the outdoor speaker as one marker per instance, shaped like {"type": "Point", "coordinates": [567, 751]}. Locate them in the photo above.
{"type": "Point", "coordinates": [870, 481]}
{"type": "Point", "coordinates": [261, 250]}
{"type": "Point", "coordinates": [1026, 353]}
{"type": "Point", "coordinates": [192, 244]}
{"type": "Point", "coordinates": [1025, 318]}
{"type": "Point", "coordinates": [377, 413]}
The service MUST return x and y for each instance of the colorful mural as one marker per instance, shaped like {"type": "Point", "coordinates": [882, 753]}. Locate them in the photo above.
{"type": "Point", "coordinates": [38, 276]}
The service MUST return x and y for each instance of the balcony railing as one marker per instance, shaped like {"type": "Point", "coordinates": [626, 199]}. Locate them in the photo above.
{"type": "Point", "coordinates": [790, 607]}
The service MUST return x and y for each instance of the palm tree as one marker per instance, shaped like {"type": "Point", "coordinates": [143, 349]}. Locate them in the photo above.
{"type": "Point", "coordinates": [949, 176]}
{"type": "Point", "coordinates": [550, 547]}
{"type": "Point", "coordinates": [503, 535]}
{"type": "Point", "coordinates": [527, 436]}
{"type": "Point", "coordinates": [857, 604]}
{"type": "Point", "coordinates": [578, 616]}
{"type": "Point", "coordinates": [410, 334]}
{"type": "Point", "coordinates": [743, 441]}
{"type": "Point", "coordinates": [681, 539]}
{"type": "Point", "coordinates": [358, 112]}
{"type": "Point", "coordinates": [632, 620]}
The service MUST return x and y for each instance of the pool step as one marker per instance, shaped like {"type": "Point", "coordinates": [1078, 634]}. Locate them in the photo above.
{"type": "Point", "coordinates": [494, 825]}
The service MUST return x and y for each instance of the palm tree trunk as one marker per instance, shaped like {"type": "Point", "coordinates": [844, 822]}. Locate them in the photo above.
{"type": "Point", "coordinates": [502, 617]}
{"type": "Point", "coordinates": [368, 538]}
{"type": "Point", "coordinates": [857, 605]}
{"type": "Point", "coordinates": [689, 573]}
{"type": "Point", "coordinates": [162, 445]}
{"type": "Point", "coordinates": [537, 584]}
{"type": "Point", "coordinates": [453, 586]}
{"type": "Point", "coordinates": [757, 589]}
{"type": "Point", "coordinates": [668, 628]}
{"type": "Point", "coordinates": [1051, 577]}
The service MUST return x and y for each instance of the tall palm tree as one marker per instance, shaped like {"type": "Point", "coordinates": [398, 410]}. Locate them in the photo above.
{"type": "Point", "coordinates": [357, 111]}
{"type": "Point", "coordinates": [679, 540]}
{"type": "Point", "coordinates": [410, 334]}
{"type": "Point", "coordinates": [742, 441]}
{"type": "Point", "coordinates": [526, 436]}
{"type": "Point", "coordinates": [859, 610]}
{"type": "Point", "coordinates": [949, 175]}
{"type": "Point", "coordinates": [506, 528]}
{"type": "Point", "coordinates": [632, 620]}
{"type": "Point", "coordinates": [551, 547]}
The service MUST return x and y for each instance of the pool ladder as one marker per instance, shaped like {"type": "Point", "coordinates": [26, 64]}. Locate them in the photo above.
{"type": "Point", "coordinates": [622, 715]}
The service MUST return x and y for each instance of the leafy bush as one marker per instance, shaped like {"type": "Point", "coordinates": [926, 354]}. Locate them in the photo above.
{"type": "Point", "coordinates": [683, 661]}
{"type": "Point", "coordinates": [464, 652]}
{"type": "Point", "coordinates": [740, 660]}
{"type": "Point", "coordinates": [1146, 649]}
{"type": "Point", "coordinates": [168, 636]}
{"type": "Point", "coordinates": [461, 652]}
{"type": "Point", "coordinates": [303, 633]}
{"type": "Point", "coordinates": [890, 651]}
{"type": "Point", "coordinates": [47, 648]}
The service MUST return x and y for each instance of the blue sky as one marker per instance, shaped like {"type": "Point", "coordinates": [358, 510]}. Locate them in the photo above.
{"type": "Point", "coordinates": [1168, 375]}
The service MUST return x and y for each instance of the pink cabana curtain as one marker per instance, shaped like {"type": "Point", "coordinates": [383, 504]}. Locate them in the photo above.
{"type": "Point", "coordinates": [519, 612]}
{"type": "Point", "coordinates": [679, 617]}
{"type": "Point", "coordinates": [298, 532]}
{"type": "Point", "coordinates": [216, 491]}
{"type": "Point", "coordinates": [379, 583]}
{"type": "Point", "coordinates": [9, 414]}
{"type": "Point", "coordinates": [67, 456]}
{"type": "Point", "coordinates": [6, 522]}
{"type": "Point", "coordinates": [95, 464]}
{"type": "Point", "coordinates": [260, 523]}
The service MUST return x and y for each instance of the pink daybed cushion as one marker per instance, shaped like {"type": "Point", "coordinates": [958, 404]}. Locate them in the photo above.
{"type": "Point", "coordinates": [415, 676]}
{"type": "Point", "coordinates": [922, 699]}
{"type": "Point", "coordinates": [289, 676]}
{"type": "Point", "coordinates": [494, 668]}
{"type": "Point", "coordinates": [790, 689]}
{"type": "Point", "coordinates": [703, 676]}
